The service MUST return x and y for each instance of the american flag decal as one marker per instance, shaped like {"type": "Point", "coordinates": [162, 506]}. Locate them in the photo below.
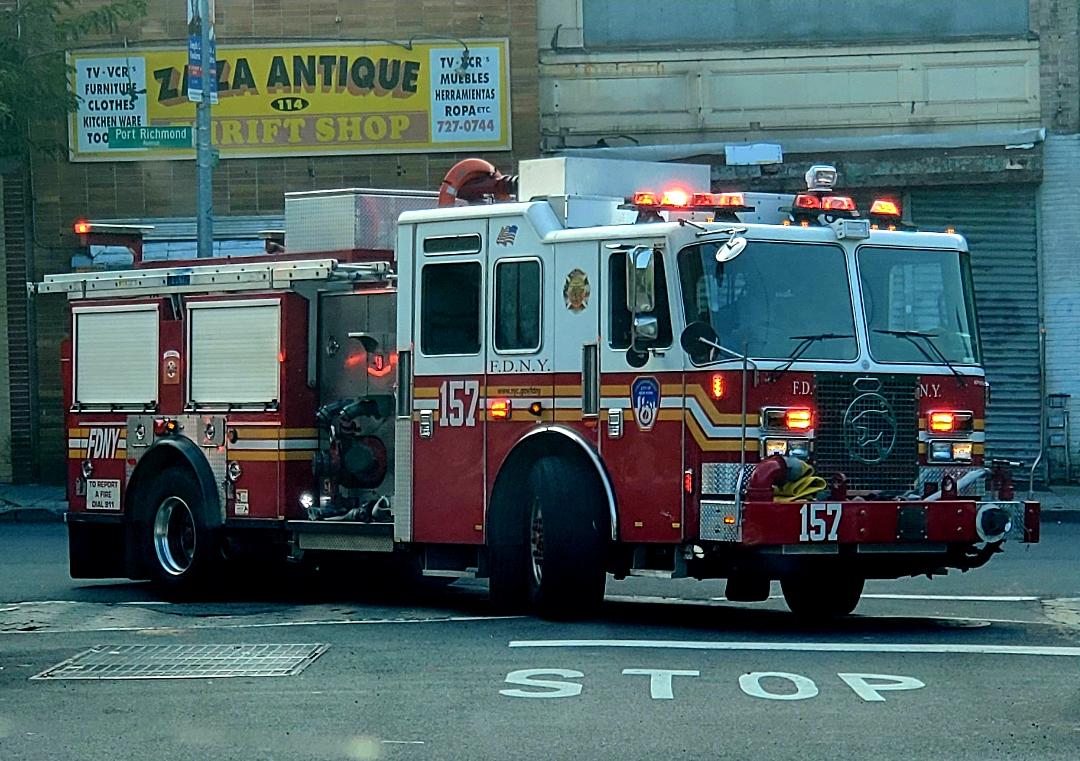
{"type": "Point", "coordinates": [506, 235]}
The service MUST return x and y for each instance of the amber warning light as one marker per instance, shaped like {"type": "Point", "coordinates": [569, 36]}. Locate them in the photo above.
{"type": "Point", "coordinates": [82, 227]}
{"type": "Point", "coordinates": [798, 419]}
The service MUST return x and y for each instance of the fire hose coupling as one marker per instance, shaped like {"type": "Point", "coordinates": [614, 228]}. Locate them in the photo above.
{"type": "Point", "coordinates": [992, 523]}
{"type": "Point", "coordinates": [784, 479]}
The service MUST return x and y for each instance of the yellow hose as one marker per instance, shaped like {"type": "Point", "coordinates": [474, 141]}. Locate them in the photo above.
{"type": "Point", "coordinates": [800, 489]}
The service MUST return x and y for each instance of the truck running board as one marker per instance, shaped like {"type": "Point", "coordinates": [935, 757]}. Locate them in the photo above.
{"type": "Point", "coordinates": [342, 537]}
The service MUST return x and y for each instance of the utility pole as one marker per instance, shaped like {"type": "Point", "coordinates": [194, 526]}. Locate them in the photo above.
{"type": "Point", "coordinates": [204, 195]}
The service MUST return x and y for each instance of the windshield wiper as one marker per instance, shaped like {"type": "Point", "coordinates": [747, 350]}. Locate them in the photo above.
{"type": "Point", "coordinates": [805, 342]}
{"type": "Point", "coordinates": [911, 335]}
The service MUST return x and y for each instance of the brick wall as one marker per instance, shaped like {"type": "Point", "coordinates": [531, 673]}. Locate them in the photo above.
{"type": "Point", "coordinates": [64, 191]}
{"type": "Point", "coordinates": [1057, 22]}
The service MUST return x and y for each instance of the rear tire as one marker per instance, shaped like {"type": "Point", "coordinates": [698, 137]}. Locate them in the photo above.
{"type": "Point", "coordinates": [822, 596]}
{"type": "Point", "coordinates": [567, 530]}
{"type": "Point", "coordinates": [178, 548]}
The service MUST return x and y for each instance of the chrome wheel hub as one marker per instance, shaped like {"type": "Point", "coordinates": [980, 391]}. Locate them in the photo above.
{"type": "Point", "coordinates": [536, 541]}
{"type": "Point", "coordinates": [174, 536]}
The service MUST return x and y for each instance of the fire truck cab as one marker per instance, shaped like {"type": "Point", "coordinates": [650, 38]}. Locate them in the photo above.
{"type": "Point", "coordinates": [622, 372]}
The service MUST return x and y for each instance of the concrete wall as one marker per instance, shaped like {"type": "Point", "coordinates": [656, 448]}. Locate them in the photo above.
{"type": "Point", "coordinates": [676, 96]}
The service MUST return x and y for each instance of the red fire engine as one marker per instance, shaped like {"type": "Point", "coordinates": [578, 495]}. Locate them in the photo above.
{"type": "Point", "coordinates": [621, 372]}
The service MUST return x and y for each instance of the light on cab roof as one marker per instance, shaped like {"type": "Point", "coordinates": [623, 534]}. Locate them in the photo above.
{"type": "Point", "coordinates": [821, 177]}
{"type": "Point", "coordinates": [82, 227]}
{"type": "Point", "coordinates": [885, 207]}
{"type": "Point", "coordinates": [675, 197]}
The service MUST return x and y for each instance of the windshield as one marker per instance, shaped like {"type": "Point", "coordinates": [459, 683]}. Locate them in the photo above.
{"type": "Point", "coordinates": [767, 299]}
{"type": "Point", "coordinates": [918, 291]}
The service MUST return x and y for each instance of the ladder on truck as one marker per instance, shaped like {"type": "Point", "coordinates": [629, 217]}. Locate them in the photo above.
{"type": "Point", "coordinates": [201, 278]}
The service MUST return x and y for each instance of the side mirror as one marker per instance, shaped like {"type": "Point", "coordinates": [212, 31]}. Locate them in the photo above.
{"type": "Point", "coordinates": [730, 250]}
{"type": "Point", "coordinates": [641, 279]}
{"type": "Point", "coordinates": [696, 339]}
{"type": "Point", "coordinates": [645, 328]}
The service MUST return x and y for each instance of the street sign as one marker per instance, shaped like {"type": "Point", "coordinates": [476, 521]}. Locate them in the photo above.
{"type": "Point", "coordinates": [177, 136]}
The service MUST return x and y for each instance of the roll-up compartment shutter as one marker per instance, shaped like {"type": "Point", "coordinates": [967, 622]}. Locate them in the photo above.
{"type": "Point", "coordinates": [234, 352]}
{"type": "Point", "coordinates": [999, 223]}
{"type": "Point", "coordinates": [116, 350]}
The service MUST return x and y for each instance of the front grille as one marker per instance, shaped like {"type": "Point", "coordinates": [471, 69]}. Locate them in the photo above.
{"type": "Point", "coordinates": [868, 429]}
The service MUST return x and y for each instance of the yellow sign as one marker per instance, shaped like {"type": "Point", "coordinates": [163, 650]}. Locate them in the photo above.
{"type": "Point", "coordinates": [306, 100]}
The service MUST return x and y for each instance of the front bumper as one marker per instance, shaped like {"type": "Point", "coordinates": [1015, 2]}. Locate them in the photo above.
{"type": "Point", "coordinates": [884, 523]}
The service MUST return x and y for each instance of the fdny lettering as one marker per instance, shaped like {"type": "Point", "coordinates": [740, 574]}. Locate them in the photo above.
{"type": "Point", "coordinates": [102, 443]}
{"type": "Point", "coordinates": [928, 391]}
{"type": "Point", "coordinates": [800, 388]}
{"type": "Point", "coordinates": [458, 400]}
{"type": "Point", "coordinates": [518, 366]}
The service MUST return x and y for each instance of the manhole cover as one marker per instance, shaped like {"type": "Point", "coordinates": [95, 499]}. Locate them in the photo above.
{"type": "Point", "coordinates": [185, 661]}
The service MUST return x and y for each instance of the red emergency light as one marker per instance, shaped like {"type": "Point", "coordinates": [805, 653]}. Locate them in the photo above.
{"type": "Point", "coordinates": [679, 199]}
{"type": "Point", "coordinates": [499, 409]}
{"type": "Point", "coordinates": [807, 202]}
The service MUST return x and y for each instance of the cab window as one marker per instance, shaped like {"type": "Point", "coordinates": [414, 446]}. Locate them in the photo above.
{"type": "Point", "coordinates": [517, 305]}
{"type": "Point", "coordinates": [450, 308]}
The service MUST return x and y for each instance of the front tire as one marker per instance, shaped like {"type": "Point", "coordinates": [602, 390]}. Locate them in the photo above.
{"type": "Point", "coordinates": [819, 596]}
{"type": "Point", "coordinates": [178, 547]}
{"type": "Point", "coordinates": [567, 530]}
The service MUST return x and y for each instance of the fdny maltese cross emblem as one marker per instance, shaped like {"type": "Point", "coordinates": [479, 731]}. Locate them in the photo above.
{"type": "Point", "coordinates": [645, 398]}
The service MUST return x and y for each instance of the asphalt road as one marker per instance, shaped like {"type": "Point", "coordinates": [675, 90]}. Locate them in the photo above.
{"type": "Point", "coordinates": [983, 665]}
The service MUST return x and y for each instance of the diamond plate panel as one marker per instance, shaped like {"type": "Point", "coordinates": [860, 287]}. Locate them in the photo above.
{"type": "Point", "coordinates": [723, 477]}
{"type": "Point", "coordinates": [1016, 511]}
{"type": "Point", "coordinates": [185, 661]}
{"type": "Point", "coordinates": [346, 542]}
{"type": "Point", "coordinates": [934, 474]}
{"type": "Point", "coordinates": [713, 527]}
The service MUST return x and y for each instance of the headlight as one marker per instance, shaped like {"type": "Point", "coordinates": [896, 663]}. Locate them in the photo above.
{"type": "Point", "coordinates": [940, 451]}
{"type": "Point", "coordinates": [775, 446]}
{"type": "Point", "coordinates": [951, 451]}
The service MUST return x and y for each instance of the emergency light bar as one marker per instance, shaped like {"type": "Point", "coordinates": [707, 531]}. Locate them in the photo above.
{"type": "Point", "coordinates": [677, 199]}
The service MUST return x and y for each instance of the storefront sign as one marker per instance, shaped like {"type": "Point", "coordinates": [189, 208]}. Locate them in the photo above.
{"type": "Point", "coordinates": [306, 100]}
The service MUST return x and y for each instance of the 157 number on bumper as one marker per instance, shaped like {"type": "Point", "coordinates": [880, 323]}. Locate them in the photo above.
{"type": "Point", "coordinates": [820, 522]}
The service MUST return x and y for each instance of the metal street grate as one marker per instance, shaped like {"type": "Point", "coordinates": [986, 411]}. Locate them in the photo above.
{"type": "Point", "coordinates": [185, 661]}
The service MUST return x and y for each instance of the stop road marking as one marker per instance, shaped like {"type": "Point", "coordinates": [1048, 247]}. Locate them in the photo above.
{"type": "Point", "coordinates": [755, 684]}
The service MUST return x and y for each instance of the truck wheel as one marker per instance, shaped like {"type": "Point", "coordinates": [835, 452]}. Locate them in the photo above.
{"type": "Point", "coordinates": [567, 538]}
{"type": "Point", "coordinates": [820, 596]}
{"type": "Point", "coordinates": [178, 547]}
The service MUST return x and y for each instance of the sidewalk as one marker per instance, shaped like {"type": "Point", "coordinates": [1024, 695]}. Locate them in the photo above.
{"type": "Point", "coordinates": [38, 503]}
{"type": "Point", "coordinates": [31, 503]}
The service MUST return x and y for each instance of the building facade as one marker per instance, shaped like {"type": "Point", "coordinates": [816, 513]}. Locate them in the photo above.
{"type": "Point", "coordinates": [37, 219]}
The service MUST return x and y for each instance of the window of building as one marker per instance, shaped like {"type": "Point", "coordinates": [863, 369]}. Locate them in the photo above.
{"type": "Point", "coordinates": [621, 318]}
{"type": "Point", "coordinates": [517, 305]}
{"type": "Point", "coordinates": [450, 308]}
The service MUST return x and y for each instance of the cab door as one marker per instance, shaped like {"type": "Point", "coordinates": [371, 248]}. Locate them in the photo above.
{"type": "Point", "coordinates": [642, 401]}
{"type": "Point", "coordinates": [520, 338]}
{"type": "Point", "coordinates": [448, 382]}
{"type": "Point", "coordinates": [576, 331]}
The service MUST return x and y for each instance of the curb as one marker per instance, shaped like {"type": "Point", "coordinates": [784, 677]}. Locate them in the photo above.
{"type": "Point", "coordinates": [16, 514]}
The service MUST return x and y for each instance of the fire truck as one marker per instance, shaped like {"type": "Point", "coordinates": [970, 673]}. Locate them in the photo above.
{"type": "Point", "coordinates": [619, 371]}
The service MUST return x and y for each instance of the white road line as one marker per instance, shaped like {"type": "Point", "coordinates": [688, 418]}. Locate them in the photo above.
{"type": "Point", "coordinates": [402, 742]}
{"type": "Point", "coordinates": [814, 647]}
{"type": "Point", "coordinates": [957, 598]}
